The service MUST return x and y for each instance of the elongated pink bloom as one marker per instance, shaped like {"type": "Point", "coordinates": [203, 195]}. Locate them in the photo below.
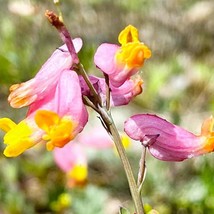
{"type": "Point", "coordinates": [167, 141]}
{"type": "Point", "coordinates": [54, 120]}
{"type": "Point", "coordinates": [46, 79]}
{"type": "Point", "coordinates": [119, 95]}
{"type": "Point", "coordinates": [121, 62]}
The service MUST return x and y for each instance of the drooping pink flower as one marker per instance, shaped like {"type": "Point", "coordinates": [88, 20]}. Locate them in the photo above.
{"type": "Point", "coordinates": [72, 160]}
{"type": "Point", "coordinates": [54, 120]}
{"type": "Point", "coordinates": [45, 80]}
{"type": "Point", "coordinates": [119, 95]}
{"type": "Point", "coordinates": [121, 62]}
{"type": "Point", "coordinates": [167, 141]}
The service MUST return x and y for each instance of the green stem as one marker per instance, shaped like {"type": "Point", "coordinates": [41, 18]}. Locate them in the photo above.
{"type": "Point", "coordinates": [127, 167]}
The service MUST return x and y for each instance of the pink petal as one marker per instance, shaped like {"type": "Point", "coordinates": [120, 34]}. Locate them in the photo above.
{"type": "Point", "coordinates": [104, 57]}
{"type": "Point", "coordinates": [69, 99]}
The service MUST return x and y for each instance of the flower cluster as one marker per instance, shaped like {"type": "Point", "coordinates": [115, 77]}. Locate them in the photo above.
{"type": "Point", "coordinates": [59, 93]}
{"type": "Point", "coordinates": [56, 111]}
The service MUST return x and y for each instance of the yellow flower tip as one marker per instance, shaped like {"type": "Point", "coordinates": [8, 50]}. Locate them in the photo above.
{"type": "Point", "coordinates": [133, 54]}
{"type": "Point", "coordinates": [20, 95]}
{"type": "Point", "coordinates": [207, 135]}
{"type": "Point", "coordinates": [138, 89]}
{"type": "Point", "coordinates": [207, 127]}
{"type": "Point", "coordinates": [17, 148]}
{"type": "Point", "coordinates": [208, 145]}
{"type": "Point", "coordinates": [11, 151]}
{"type": "Point", "coordinates": [7, 124]}
{"type": "Point", "coordinates": [19, 101]}
{"type": "Point", "coordinates": [78, 175]}
{"type": "Point", "coordinates": [50, 146]}
{"type": "Point", "coordinates": [58, 131]}
{"type": "Point", "coordinates": [129, 34]}
{"type": "Point", "coordinates": [18, 139]}
{"type": "Point", "coordinates": [46, 119]}
{"type": "Point", "coordinates": [14, 87]}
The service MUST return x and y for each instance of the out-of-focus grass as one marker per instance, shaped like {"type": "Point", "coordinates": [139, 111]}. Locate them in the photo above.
{"type": "Point", "coordinates": [177, 84]}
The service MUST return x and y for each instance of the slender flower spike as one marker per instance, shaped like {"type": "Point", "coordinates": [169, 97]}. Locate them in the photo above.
{"type": "Point", "coordinates": [121, 62]}
{"type": "Point", "coordinates": [55, 120]}
{"type": "Point", "coordinates": [167, 141]}
{"type": "Point", "coordinates": [46, 79]}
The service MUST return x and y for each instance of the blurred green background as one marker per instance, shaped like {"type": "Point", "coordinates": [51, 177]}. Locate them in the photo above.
{"type": "Point", "coordinates": [178, 85]}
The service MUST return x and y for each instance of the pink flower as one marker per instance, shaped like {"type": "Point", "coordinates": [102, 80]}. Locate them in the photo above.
{"type": "Point", "coordinates": [121, 62]}
{"type": "Point", "coordinates": [46, 79]}
{"type": "Point", "coordinates": [119, 95]}
{"type": "Point", "coordinates": [167, 141]}
{"type": "Point", "coordinates": [55, 120]}
{"type": "Point", "coordinates": [72, 158]}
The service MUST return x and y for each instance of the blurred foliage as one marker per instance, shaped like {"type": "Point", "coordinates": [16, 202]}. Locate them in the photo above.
{"type": "Point", "coordinates": [178, 85]}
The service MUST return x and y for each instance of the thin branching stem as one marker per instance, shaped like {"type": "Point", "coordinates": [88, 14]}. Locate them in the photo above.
{"type": "Point", "coordinates": [89, 103]}
{"type": "Point", "coordinates": [108, 92]}
{"type": "Point", "coordinates": [84, 74]}
{"type": "Point", "coordinates": [104, 111]}
{"type": "Point", "coordinates": [63, 32]}
{"type": "Point", "coordinates": [142, 170]}
{"type": "Point", "coordinates": [126, 165]}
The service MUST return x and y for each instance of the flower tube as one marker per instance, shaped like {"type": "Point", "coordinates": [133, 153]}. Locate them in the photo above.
{"type": "Point", "coordinates": [121, 62]}
{"type": "Point", "coordinates": [167, 141]}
